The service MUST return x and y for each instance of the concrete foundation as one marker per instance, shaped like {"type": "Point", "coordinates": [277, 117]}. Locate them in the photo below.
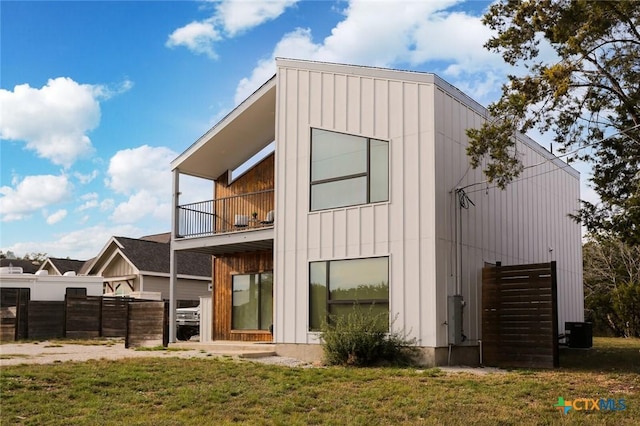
{"type": "Point", "coordinates": [303, 352]}
{"type": "Point", "coordinates": [427, 357]}
{"type": "Point", "coordinates": [460, 355]}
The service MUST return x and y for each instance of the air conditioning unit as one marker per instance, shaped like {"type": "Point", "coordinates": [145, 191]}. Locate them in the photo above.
{"type": "Point", "coordinates": [579, 334]}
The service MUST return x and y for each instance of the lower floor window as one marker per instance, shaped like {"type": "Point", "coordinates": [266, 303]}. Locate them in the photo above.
{"type": "Point", "coordinates": [337, 286]}
{"type": "Point", "coordinates": [252, 301]}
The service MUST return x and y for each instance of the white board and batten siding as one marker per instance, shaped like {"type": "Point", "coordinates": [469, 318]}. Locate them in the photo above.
{"type": "Point", "coordinates": [369, 103]}
{"type": "Point", "coordinates": [423, 118]}
{"type": "Point", "coordinates": [525, 223]}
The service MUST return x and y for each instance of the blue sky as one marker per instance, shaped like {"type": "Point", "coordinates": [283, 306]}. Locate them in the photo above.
{"type": "Point", "coordinates": [98, 97]}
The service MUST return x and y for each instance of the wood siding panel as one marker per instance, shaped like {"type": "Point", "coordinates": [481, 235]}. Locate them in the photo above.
{"type": "Point", "coordinates": [223, 270]}
{"type": "Point", "coordinates": [258, 178]}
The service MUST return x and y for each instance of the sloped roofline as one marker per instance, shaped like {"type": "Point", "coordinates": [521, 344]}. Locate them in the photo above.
{"type": "Point", "coordinates": [95, 260]}
{"type": "Point", "coordinates": [237, 111]}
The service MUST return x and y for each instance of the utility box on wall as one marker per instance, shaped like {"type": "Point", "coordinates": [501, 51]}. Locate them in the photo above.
{"type": "Point", "coordinates": [454, 309]}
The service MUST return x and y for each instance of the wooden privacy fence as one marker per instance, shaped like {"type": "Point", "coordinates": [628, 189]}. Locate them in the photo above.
{"type": "Point", "coordinates": [147, 324]}
{"type": "Point", "coordinates": [82, 317]}
{"type": "Point", "coordinates": [520, 316]}
{"type": "Point", "coordinates": [13, 313]}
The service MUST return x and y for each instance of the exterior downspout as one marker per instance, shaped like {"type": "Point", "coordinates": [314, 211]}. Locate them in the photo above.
{"type": "Point", "coordinates": [173, 261]}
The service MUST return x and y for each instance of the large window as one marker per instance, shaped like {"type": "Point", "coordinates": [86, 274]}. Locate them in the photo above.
{"type": "Point", "coordinates": [252, 297]}
{"type": "Point", "coordinates": [347, 170]}
{"type": "Point", "coordinates": [336, 286]}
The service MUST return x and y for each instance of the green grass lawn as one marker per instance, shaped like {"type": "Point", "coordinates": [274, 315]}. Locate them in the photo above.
{"type": "Point", "coordinates": [172, 391]}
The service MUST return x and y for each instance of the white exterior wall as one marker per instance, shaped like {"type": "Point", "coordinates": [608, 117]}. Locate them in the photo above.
{"type": "Point", "coordinates": [516, 226]}
{"type": "Point", "coordinates": [424, 124]}
{"type": "Point", "coordinates": [371, 104]}
{"type": "Point", "coordinates": [51, 287]}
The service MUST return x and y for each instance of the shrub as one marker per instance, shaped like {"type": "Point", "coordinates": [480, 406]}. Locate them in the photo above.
{"type": "Point", "coordinates": [361, 338]}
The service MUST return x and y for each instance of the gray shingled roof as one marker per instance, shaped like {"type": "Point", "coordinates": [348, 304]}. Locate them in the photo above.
{"type": "Point", "coordinates": [66, 265]}
{"type": "Point", "coordinates": [28, 267]}
{"type": "Point", "coordinates": [165, 237]}
{"type": "Point", "coordinates": [154, 257]}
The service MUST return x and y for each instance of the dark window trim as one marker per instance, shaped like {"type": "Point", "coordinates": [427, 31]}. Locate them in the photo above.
{"type": "Point", "coordinates": [259, 274]}
{"type": "Point", "coordinates": [344, 301]}
{"type": "Point", "coordinates": [366, 174]}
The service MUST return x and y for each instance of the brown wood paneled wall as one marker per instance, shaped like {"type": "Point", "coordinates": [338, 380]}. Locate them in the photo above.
{"type": "Point", "coordinates": [224, 267]}
{"type": "Point", "coordinates": [244, 196]}
{"type": "Point", "coordinates": [259, 178]}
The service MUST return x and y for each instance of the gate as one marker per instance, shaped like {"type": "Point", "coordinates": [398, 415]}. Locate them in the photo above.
{"type": "Point", "coordinates": [520, 316]}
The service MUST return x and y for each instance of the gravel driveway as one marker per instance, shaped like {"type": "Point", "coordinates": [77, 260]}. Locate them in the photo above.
{"type": "Point", "coordinates": [52, 352]}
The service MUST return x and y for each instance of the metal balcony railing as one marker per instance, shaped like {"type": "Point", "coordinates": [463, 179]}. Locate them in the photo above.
{"type": "Point", "coordinates": [254, 210]}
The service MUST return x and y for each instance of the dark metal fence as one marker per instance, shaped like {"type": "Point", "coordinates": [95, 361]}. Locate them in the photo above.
{"type": "Point", "coordinates": [229, 214]}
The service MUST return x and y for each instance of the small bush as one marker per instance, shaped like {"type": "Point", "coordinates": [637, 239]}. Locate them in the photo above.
{"type": "Point", "coordinates": [361, 338]}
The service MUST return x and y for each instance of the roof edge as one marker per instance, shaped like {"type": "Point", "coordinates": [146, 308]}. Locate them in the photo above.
{"type": "Point", "coordinates": [235, 112]}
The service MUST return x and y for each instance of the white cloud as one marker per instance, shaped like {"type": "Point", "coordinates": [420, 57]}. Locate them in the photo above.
{"type": "Point", "coordinates": [193, 189]}
{"type": "Point", "coordinates": [197, 37]}
{"type": "Point", "coordinates": [32, 194]}
{"type": "Point", "coordinates": [107, 204]}
{"type": "Point", "coordinates": [144, 175]}
{"type": "Point", "coordinates": [81, 244]}
{"type": "Point", "coordinates": [140, 205]}
{"type": "Point", "coordinates": [238, 16]}
{"type": "Point", "coordinates": [142, 168]}
{"type": "Point", "coordinates": [56, 217]}
{"type": "Point", "coordinates": [230, 18]}
{"type": "Point", "coordinates": [88, 205]}
{"type": "Point", "coordinates": [54, 120]}
{"type": "Point", "coordinates": [383, 34]}
{"type": "Point", "coordinates": [86, 178]}
{"type": "Point", "coordinates": [89, 196]}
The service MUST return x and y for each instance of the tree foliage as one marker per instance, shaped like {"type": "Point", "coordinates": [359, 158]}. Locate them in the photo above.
{"type": "Point", "coordinates": [612, 286]}
{"type": "Point", "coordinates": [587, 95]}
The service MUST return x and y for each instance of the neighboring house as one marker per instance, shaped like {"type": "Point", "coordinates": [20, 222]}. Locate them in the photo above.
{"type": "Point", "coordinates": [359, 204]}
{"type": "Point", "coordinates": [43, 287]}
{"type": "Point", "coordinates": [140, 267]}
{"type": "Point", "coordinates": [57, 266]}
{"type": "Point", "coordinates": [28, 266]}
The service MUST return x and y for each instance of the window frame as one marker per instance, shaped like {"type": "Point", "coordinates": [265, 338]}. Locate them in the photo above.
{"type": "Point", "coordinates": [259, 302]}
{"type": "Point", "coordinates": [366, 174]}
{"type": "Point", "coordinates": [351, 302]}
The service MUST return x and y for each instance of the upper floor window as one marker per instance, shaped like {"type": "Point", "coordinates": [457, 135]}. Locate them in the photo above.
{"type": "Point", "coordinates": [347, 170]}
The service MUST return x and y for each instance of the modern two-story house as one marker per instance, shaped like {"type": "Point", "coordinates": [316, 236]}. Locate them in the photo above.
{"type": "Point", "coordinates": [368, 199]}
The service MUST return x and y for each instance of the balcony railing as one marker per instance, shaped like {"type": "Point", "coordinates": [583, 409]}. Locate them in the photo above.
{"type": "Point", "coordinates": [243, 212]}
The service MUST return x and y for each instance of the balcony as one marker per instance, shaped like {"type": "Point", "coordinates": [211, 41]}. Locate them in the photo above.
{"type": "Point", "coordinates": [227, 225]}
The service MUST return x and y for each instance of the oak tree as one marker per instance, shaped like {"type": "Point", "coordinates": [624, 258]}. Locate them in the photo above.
{"type": "Point", "coordinates": [587, 93]}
